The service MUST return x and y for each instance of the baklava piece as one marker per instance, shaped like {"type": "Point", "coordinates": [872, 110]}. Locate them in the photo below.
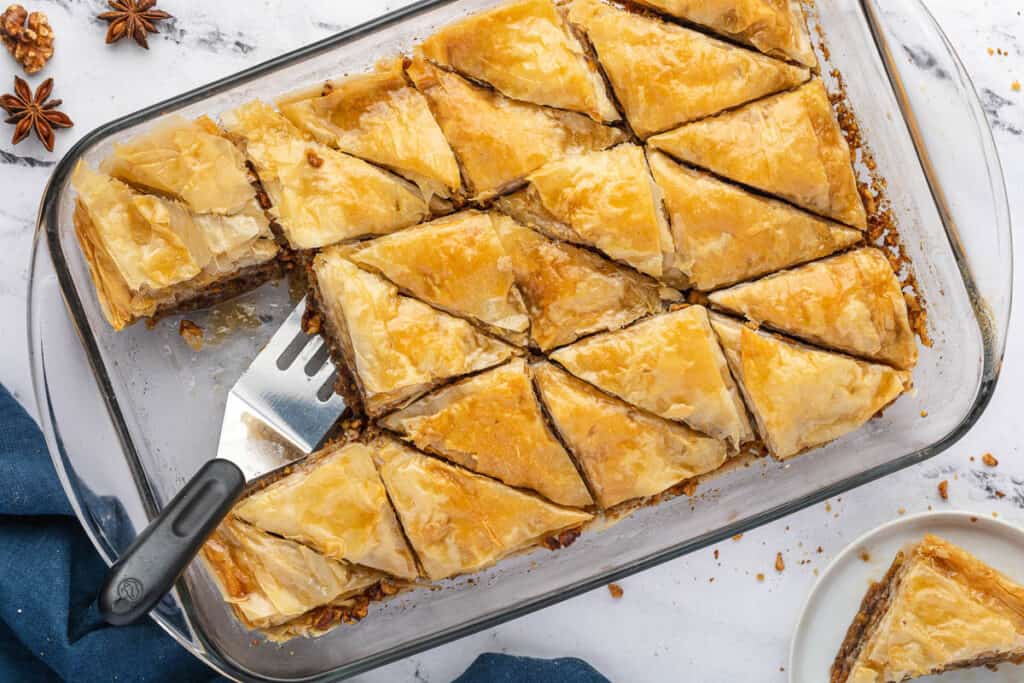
{"type": "Point", "coordinates": [604, 199]}
{"type": "Point", "coordinates": [938, 609]}
{"type": "Point", "coordinates": [570, 292]}
{"type": "Point", "coordinates": [724, 234]}
{"type": "Point", "coordinates": [670, 365]}
{"type": "Point", "coordinates": [395, 347]}
{"type": "Point", "coordinates": [524, 51]}
{"type": "Point", "coordinates": [319, 195]}
{"type": "Point", "coordinates": [803, 397]}
{"type": "Point", "coordinates": [775, 27]}
{"type": "Point", "coordinates": [492, 423]}
{"type": "Point", "coordinates": [626, 453]}
{"type": "Point", "coordinates": [279, 586]}
{"type": "Point", "coordinates": [665, 75]}
{"type": "Point", "coordinates": [788, 145]}
{"type": "Point", "coordinates": [149, 255]}
{"type": "Point", "coordinates": [381, 118]}
{"type": "Point", "coordinates": [336, 504]}
{"type": "Point", "coordinates": [498, 140]}
{"type": "Point", "coordinates": [456, 263]}
{"type": "Point", "coordinates": [460, 522]}
{"type": "Point", "coordinates": [852, 302]}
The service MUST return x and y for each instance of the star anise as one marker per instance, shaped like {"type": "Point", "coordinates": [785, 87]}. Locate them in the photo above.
{"type": "Point", "coordinates": [133, 18]}
{"type": "Point", "coordinates": [30, 113]}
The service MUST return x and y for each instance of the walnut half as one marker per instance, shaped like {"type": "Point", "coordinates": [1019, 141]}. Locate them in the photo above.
{"type": "Point", "coordinates": [27, 36]}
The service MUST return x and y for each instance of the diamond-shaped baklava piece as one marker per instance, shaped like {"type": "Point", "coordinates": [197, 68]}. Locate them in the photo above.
{"type": "Point", "coordinates": [625, 452]}
{"type": "Point", "coordinates": [670, 365]}
{"type": "Point", "coordinates": [789, 145]}
{"type": "Point", "coordinates": [320, 196]}
{"type": "Point", "coordinates": [498, 140]}
{"type": "Point", "coordinates": [277, 585]}
{"type": "Point", "coordinates": [776, 27]}
{"type": "Point", "coordinates": [456, 263]}
{"type": "Point", "coordinates": [852, 302]}
{"type": "Point", "coordinates": [150, 255]}
{"type": "Point", "coordinates": [803, 397]}
{"type": "Point", "coordinates": [665, 75]}
{"type": "Point", "coordinates": [381, 118]}
{"type": "Point", "coordinates": [337, 505]}
{"type": "Point", "coordinates": [525, 51]}
{"type": "Point", "coordinates": [604, 199]}
{"type": "Point", "coordinates": [460, 522]}
{"type": "Point", "coordinates": [492, 423]}
{"type": "Point", "coordinates": [724, 234]}
{"type": "Point", "coordinates": [395, 347]}
{"type": "Point", "coordinates": [570, 292]}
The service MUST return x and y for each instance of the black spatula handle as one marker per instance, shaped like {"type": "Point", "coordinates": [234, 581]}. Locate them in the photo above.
{"type": "Point", "coordinates": [158, 556]}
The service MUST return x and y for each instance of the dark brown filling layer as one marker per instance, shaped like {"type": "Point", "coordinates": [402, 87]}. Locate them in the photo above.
{"type": "Point", "coordinates": [244, 280]}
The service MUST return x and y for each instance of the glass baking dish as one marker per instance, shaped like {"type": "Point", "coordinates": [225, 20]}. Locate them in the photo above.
{"type": "Point", "coordinates": [130, 417]}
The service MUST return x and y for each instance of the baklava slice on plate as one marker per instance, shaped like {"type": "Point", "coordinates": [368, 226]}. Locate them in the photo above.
{"type": "Point", "coordinates": [670, 365]}
{"type": "Point", "coordinates": [281, 587]}
{"type": "Point", "coordinates": [493, 424]}
{"type": "Point", "coordinates": [525, 51]}
{"type": "Point", "coordinates": [665, 75]}
{"type": "Point", "coordinates": [603, 199]}
{"type": "Point", "coordinates": [938, 609]}
{"type": "Point", "coordinates": [457, 263]}
{"type": "Point", "coordinates": [150, 255]}
{"type": "Point", "coordinates": [802, 397]}
{"type": "Point", "coordinates": [570, 292]}
{"type": "Point", "coordinates": [381, 118]}
{"type": "Point", "coordinates": [319, 195]}
{"type": "Point", "coordinates": [337, 505]}
{"type": "Point", "coordinates": [460, 522]}
{"type": "Point", "coordinates": [788, 145]}
{"type": "Point", "coordinates": [498, 140]}
{"type": "Point", "coordinates": [625, 452]}
{"type": "Point", "coordinates": [775, 27]}
{"type": "Point", "coordinates": [395, 347]}
{"type": "Point", "coordinates": [724, 234]}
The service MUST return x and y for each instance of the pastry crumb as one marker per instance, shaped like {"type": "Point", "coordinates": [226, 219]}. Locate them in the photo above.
{"type": "Point", "coordinates": [313, 160]}
{"type": "Point", "coordinates": [690, 488]}
{"type": "Point", "coordinates": [616, 590]}
{"type": "Point", "coordinates": [737, 537]}
{"type": "Point", "coordinates": [760, 577]}
{"type": "Point", "coordinates": [865, 556]}
{"type": "Point", "coordinates": [990, 460]}
{"type": "Point", "coordinates": [716, 553]}
{"type": "Point", "coordinates": [311, 322]}
{"type": "Point", "coordinates": [944, 489]}
{"type": "Point", "coordinates": [780, 565]}
{"type": "Point", "coordinates": [1000, 494]}
{"type": "Point", "coordinates": [192, 334]}
{"type": "Point", "coordinates": [924, 413]}
{"type": "Point", "coordinates": [1015, 86]}
{"type": "Point", "coordinates": [901, 511]}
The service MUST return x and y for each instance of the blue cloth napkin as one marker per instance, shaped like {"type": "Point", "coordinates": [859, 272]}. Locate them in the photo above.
{"type": "Point", "coordinates": [50, 628]}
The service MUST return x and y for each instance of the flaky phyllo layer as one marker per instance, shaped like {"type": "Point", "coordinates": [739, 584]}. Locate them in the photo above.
{"type": "Point", "coordinates": [540, 247]}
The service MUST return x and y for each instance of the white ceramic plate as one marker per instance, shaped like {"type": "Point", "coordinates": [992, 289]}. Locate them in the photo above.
{"type": "Point", "coordinates": [836, 598]}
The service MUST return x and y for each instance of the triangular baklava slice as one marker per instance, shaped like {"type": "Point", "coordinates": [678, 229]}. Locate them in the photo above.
{"type": "Point", "coordinates": [775, 27]}
{"type": "Point", "coordinates": [570, 292]}
{"type": "Point", "coordinates": [460, 522]}
{"type": "Point", "coordinates": [938, 609]}
{"type": "Point", "coordinates": [788, 145]}
{"type": "Point", "coordinates": [492, 423]}
{"type": "Point", "coordinates": [852, 302]}
{"type": "Point", "coordinates": [665, 75]}
{"type": "Point", "coordinates": [379, 117]}
{"type": "Point", "coordinates": [498, 140]}
{"type": "Point", "coordinates": [456, 263]}
{"type": "Point", "coordinates": [525, 51]}
{"type": "Point", "coordinates": [670, 365]}
{"type": "Point", "coordinates": [625, 452]}
{"type": "Point", "coordinates": [279, 586]}
{"type": "Point", "coordinates": [336, 504]}
{"type": "Point", "coordinates": [803, 397]}
{"type": "Point", "coordinates": [395, 347]}
{"type": "Point", "coordinates": [604, 199]}
{"type": "Point", "coordinates": [724, 234]}
{"type": "Point", "coordinates": [320, 196]}
{"type": "Point", "coordinates": [149, 255]}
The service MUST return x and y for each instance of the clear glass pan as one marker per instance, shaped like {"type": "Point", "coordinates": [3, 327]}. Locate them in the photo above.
{"type": "Point", "coordinates": [129, 417]}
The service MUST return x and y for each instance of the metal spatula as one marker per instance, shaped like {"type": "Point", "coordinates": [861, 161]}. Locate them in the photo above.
{"type": "Point", "coordinates": [288, 390]}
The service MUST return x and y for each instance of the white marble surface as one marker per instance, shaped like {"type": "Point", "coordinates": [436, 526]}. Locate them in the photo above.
{"type": "Point", "coordinates": [673, 621]}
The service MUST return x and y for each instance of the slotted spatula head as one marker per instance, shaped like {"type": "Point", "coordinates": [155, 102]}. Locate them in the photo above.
{"type": "Point", "coordinates": [288, 389]}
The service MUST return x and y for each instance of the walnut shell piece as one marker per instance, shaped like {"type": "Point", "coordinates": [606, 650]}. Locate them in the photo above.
{"type": "Point", "coordinates": [28, 37]}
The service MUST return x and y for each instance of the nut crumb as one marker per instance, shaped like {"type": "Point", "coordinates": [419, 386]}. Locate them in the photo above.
{"type": "Point", "coordinates": [944, 489]}
{"type": "Point", "coordinates": [865, 556]}
{"type": "Point", "coordinates": [901, 511]}
{"type": "Point", "coordinates": [311, 322]}
{"type": "Point", "coordinates": [990, 460]}
{"type": "Point", "coordinates": [780, 566]}
{"type": "Point", "coordinates": [1015, 86]}
{"type": "Point", "coordinates": [616, 590]}
{"type": "Point", "coordinates": [192, 334]}
{"type": "Point", "coordinates": [737, 537]}
{"type": "Point", "coordinates": [820, 551]}
{"type": "Point", "coordinates": [690, 488]}
{"type": "Point", "coordinates": [924, 413]}
{"type": "Point", "coordinates": [716, 553]}
{"type": "Point", "coordinates": [760, 577]}
{"type": "Point", "coordinates": [995, 515]}
{"type": "Point", "coordinates": [314, 160]}
{"type": "Point", "coordinates": [1000, 494]}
